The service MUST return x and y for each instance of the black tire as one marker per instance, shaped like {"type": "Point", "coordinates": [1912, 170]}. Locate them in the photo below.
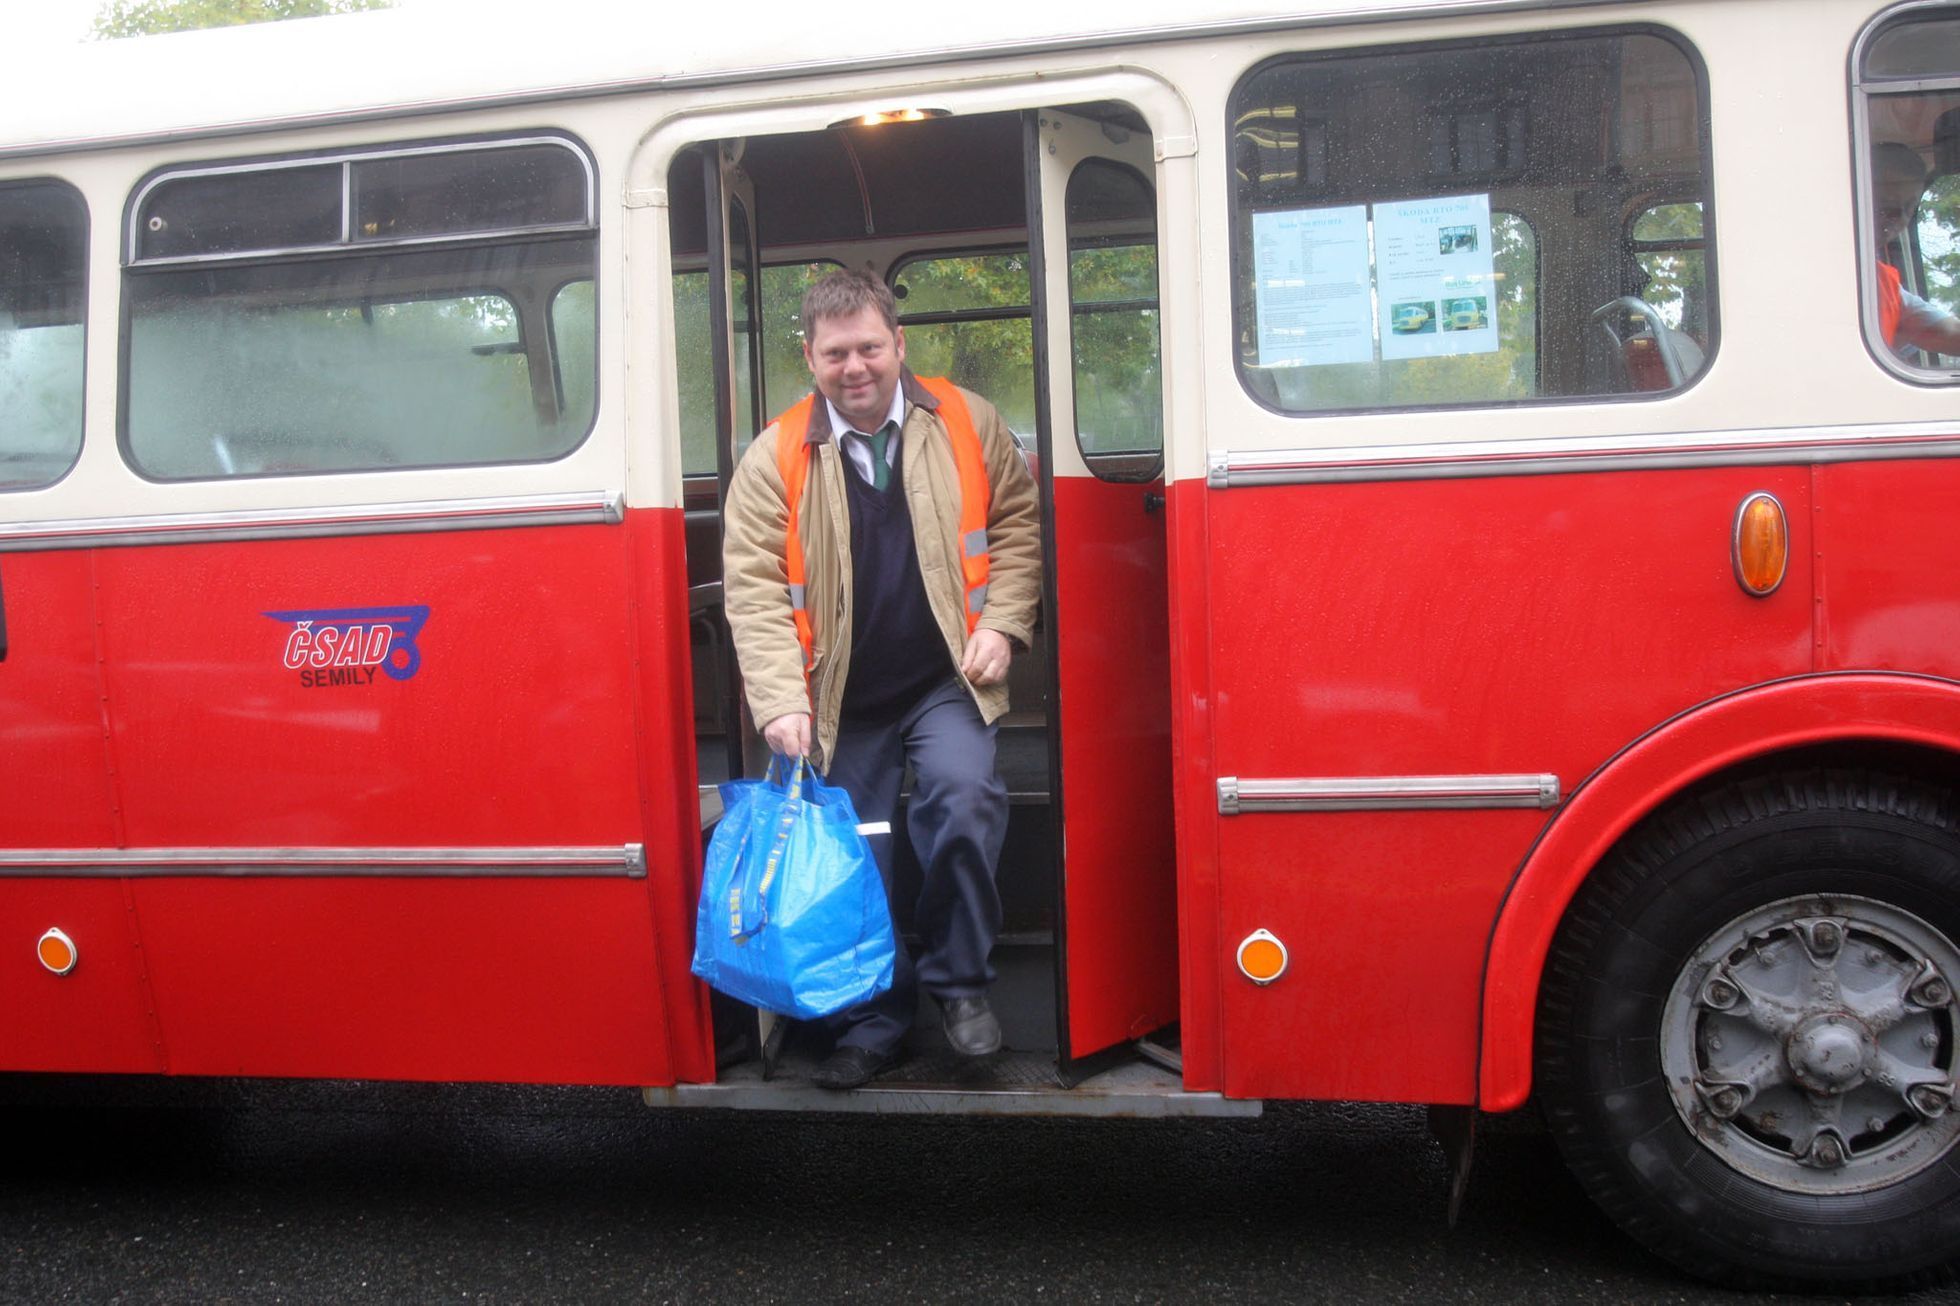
{"type": "Point", "coordinates": [1642, 928]}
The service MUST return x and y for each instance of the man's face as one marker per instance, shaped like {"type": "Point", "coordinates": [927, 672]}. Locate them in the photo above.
{"type": "Point", "coordinates": [855, 361]}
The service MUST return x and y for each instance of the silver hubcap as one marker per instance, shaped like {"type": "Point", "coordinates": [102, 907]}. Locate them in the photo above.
{"type": "Point", "coordinates": [1810, 1044]}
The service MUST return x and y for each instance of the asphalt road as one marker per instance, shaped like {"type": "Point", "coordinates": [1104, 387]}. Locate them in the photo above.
{"type": "Point", "coordinates": [168, 1191]}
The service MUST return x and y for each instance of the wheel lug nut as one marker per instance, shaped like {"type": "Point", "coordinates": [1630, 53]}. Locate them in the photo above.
{"type": "Point", "coordinates": [1929, 1039]}
{"type": "Point", "coordinates": [1874, 1123]}
{"type": "Point", "coordinates": [1827, 1153]}
{"type": "Point", "coordinates": [1725, 1102]}
{"type": "Point", "coordinates": [1929, 1100]}
{"type": "Point", "coordinates": [1825, 936]}
{"type": "Point", "coordinates": [1720, 994]}
{"type": "Point", "coordinates": [1935, 992]}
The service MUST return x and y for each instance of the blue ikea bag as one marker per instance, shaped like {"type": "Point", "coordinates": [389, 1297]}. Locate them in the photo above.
{"type": "Point", "coordinates": [793, 917]}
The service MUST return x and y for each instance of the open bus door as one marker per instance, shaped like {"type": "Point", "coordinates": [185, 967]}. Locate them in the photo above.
{"type": "Point", "coordinates": [730, 252]}
{"type": "Point", "coordinates": [1099, 385]}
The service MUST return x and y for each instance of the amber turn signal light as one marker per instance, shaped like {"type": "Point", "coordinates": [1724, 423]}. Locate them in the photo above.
{"type": "Point", "coordinates": [1262, 957]}
{"type": "Point", "coordinates": [1762, 544]}
{"type": "Point", "coordinates": [57, 952]}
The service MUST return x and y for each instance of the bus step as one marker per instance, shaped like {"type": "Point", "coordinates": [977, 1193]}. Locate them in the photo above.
{"type": "Point", "coordinates": [939, 1083]}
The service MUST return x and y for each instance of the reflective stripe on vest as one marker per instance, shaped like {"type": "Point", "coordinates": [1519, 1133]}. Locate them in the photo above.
{"type": "Point", "coordinates": [976, 501]}
{"type": "Point", "coordinates": [1889, 305]}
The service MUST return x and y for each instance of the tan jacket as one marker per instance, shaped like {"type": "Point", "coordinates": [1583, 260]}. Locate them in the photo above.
{"type": "Point", "coordinates": [755, 582]}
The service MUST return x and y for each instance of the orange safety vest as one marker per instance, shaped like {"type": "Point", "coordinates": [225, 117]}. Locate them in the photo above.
{"type": "Point", "coordinates": [1889, 304]}
{"type": "Point", "coordinates": [976, 500]}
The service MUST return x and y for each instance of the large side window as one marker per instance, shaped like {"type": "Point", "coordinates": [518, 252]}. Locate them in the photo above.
{"type": "Point", "coordinates": [415, 307]}
{"type": "Point", "coordinates": [1473, 223]}
{"type": "Point", "coordinates": [1908, 104]}
{"type": "Point", "coordinates": [43, 265]}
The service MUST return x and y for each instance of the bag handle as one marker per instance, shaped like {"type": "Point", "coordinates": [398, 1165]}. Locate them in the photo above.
{"type": "Point", "coordinates": [785, 824]}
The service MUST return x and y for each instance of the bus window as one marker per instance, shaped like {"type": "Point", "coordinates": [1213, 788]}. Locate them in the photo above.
{"type": "Point", "coordinates": [43, 239]}
{"type": "Point", "coordinates": [1910, 166]}
{"type": "Point", "coordinates": [1667, 245]}
{"type": "Point", "coordinates": [785, 376]}
{"type": "Point", "coordinates": [694, 368]}
{"type": "Point", "coordinates": [401, 316]}
{"type": "Point", "coordinates": [574, 361]}
{"type": "Point", "coordinates": [1112, 283]}
{"type": "Point", "coordinates": [1381, 253]}
{"type": "Point", "coordinates": [967, 317]}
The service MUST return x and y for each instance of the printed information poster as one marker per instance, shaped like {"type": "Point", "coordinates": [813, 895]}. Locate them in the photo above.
{"type": "Point", "coordinates": [1311, 282]}
{"type": "Point", "coordinates": [1433, 274]}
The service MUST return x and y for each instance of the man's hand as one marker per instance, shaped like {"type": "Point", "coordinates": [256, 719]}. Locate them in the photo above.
{"type": "Point", "coordinates": [986, 659]}
{"type": "Point", "coordinates": [788, 734]}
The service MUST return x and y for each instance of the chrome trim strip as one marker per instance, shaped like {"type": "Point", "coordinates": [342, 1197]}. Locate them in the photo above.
{"type": "Point", "coordinates": [607, 507]}
{"type": "Point", "coordinates": [1382, 793]}
{"type": "Point", "coordinates": [1360, 13]}
{"type": "Point", "coordinates": [624, 860]}
{"type": "Point", "coordinates": [1227, 470]}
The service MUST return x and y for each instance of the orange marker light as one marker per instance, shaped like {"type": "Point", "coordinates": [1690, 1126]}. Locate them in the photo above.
{"type": "Point", "coordinates": [1762, 544]}
{"type": "Point", "coordinates": [57, 952]}
{"type": "Point", "coordinates": [1262, 957]}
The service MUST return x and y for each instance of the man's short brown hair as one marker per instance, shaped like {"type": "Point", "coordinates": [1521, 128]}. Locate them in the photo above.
{"type": "Point", "coordinates": [845, 293]}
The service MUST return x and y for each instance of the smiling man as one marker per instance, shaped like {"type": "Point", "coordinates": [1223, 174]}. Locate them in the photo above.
{"type": "Point", "coordinates": [881, 566]}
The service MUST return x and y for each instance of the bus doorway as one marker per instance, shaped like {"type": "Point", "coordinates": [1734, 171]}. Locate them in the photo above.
{"type": "Point", "coordinates": [1021, 249]}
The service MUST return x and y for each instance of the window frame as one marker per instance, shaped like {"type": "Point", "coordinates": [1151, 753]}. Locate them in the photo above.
{"type": "Point", "coordinates": [1704, 130]}
{"type": "Point", "coordinates": [81, 204]}
{"type": "Point", "coordinates": [350, 249]}
{"type": "Point", "coordinates": [1865, 246]}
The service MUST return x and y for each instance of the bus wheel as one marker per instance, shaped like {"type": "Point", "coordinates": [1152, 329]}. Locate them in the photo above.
{"type": "Point", "coordinates": [1748, 1034]}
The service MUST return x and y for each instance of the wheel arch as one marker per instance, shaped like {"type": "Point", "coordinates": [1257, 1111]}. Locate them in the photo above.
{"type": "Point", "coordinates": [1911, 723]}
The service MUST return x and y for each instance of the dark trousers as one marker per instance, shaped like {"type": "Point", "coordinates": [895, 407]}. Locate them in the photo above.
{"type": "Point", "coordinates": [958, 820]}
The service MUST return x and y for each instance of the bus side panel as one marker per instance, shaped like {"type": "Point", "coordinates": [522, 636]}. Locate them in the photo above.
{"type": "Point", "coordinates": [58, 787]}
{"type": "Point", "coordinates": [509, 725]}
{"type": "Point", "coordinates": [514, 728]}
{"type": "Point", "coordinates": [97, 1016]}
{"type": "Point", "coordinates": [1473, 627]}
{"type": "Point", "coordinates": [1888, 598]}
{"type": "Point", "coordinates": [516, 980]}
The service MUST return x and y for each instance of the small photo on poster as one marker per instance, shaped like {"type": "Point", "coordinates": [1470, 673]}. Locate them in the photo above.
{"type": "Point", "coordinates": [1412, 317]}
{"type": "Point", "coordinates": [1467, 313]}
{"type": "Point", "coordinates": [1457, 240]}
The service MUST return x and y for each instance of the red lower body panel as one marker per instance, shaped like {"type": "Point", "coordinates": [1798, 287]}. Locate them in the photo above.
{"type": "Point", "coordinates": [1444, 628]}
{"type": "Point", "coordinates": [545, 704]}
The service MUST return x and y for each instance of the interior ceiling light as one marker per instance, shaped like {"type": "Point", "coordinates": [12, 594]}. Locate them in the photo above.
{"type": "Point", "coordinates": [883, 116]}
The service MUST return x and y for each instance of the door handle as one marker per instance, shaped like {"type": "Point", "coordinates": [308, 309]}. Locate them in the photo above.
{"type": "Point", "coordinates": [1153, 502]}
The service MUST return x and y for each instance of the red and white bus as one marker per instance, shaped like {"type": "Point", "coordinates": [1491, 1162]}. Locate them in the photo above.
{"type": "Point", "coordinates": [1502, 621]}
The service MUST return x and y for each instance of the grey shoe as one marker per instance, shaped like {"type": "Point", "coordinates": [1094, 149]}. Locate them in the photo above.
{"type": "Point", "coordinates": [971, 1026]}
